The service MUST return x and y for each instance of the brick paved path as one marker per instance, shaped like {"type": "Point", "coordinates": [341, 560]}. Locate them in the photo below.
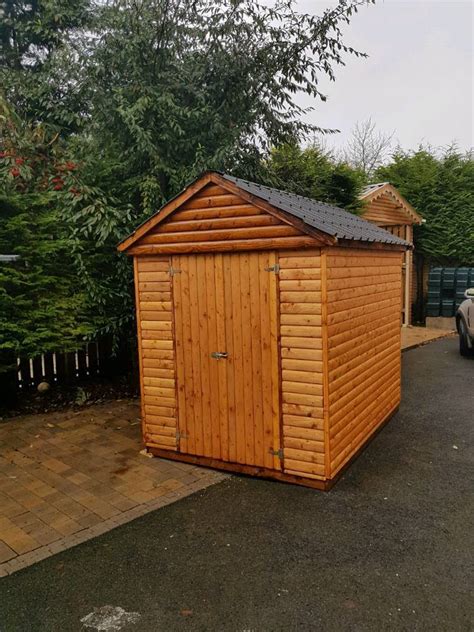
{"type": "Point", "coordinates": [66, 477]}
{"type": "Point", "coordinates": [416, 336]}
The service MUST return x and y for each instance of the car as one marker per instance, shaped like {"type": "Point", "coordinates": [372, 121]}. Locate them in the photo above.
{"type": "Point", "coordinates": [465, 323]}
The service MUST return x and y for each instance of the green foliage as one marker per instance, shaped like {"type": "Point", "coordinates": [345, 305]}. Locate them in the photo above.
{"type": "Point", "coordinates": [30, 31]}
{"type": "Point", "coordinates": [179, 87]}
{"type": "Point", "coordinates": [41, 307]}
{"type": "Point", "coordinates": [41, 64]}
{"type": "Point", "coordinates": [441, 188]}
{"type": "Point", "coordinates": [140, 96]}
{"type": "Point", "coordinates": [315, 173]}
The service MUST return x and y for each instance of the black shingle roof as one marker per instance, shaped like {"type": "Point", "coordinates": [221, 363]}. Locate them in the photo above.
{"type": "Point", "coordinates": [329, 219]}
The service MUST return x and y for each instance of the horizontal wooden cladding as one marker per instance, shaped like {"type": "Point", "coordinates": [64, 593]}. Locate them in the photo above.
{"type": "Point", "coordinates": [297, 274]}
{"type": "Point", "coordinates": [157, 363]}
{"type": "Point", "coordinates": [203, 200]}
{"type": "Point", "coordinates": [344, 354]}
{"type": "Point", "coordinates": [216, 213]}
{"type": "Point", "coordinates": [159, 413]}
{"type": "Point", "coordinates": [299, 376]}
{"type": "Point", "coordinates": [298, 410]}
{"type": "Point", "coordinates": [363, 270]}
{"type": "Point", "coordinates": [156, 265]}
{"type": "Point", "coordinates": [386, 210]}
{"type": "Point", "coordinates": [361, 309]}
{"type": "Point", "coordinates": [351, 286]}
{"type": "Point", "coordinates": [382, 296]}
{"type": "Point", "coordinates": [305, 309]}
{"type": "Point", "coordinates": [304, 426]}
{"type": "Point", "coordinates": [302, 470]}
{"type": "Point", "coordinates": [222, 234]}
{"type": "Point", "coordinates": [270, 243]}
{"type": "Point", "coordinates": [360, 258]}
{"type": "Point", "coordinates": [157, 355]}
{"type": "Point", "coordinates": [214, 220]}
{"type": "Point", "coordinates": [369, 421]}
{"type": "Point", "coordinates": [294, 342]}
{"type": "Point", "coordinates": [301, 363]}
{"type": "Point", "coordinates": [220, 223]}
{"type": "Point", "coordinates": [364, 297]}
{"type": "Point", "coordinates": [369, 383]}
{"type": "Point", "coordinates": [386, 218]}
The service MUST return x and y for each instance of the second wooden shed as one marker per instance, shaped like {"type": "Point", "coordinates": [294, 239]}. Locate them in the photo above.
{"type": "Point", "coordinates": [269, 330]}
{"type": "Point", "coordinates": [387, 208]}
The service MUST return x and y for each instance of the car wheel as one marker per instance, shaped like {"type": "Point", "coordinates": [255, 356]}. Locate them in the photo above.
{"type": "Point", "coordinates": [464, 348]}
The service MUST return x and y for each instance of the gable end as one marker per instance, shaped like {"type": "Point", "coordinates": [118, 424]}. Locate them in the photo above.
{"type": "Point", "coordinates": [217, 218]}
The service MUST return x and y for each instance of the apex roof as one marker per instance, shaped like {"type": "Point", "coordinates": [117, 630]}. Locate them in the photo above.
{"type": "Point", "coordinates": [331, 220]}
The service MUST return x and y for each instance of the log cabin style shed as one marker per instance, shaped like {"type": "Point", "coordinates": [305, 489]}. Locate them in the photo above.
{"type": "Point", "coordinates": [387, 208]}
{"type": "Point", "coordinates": [268, 328]}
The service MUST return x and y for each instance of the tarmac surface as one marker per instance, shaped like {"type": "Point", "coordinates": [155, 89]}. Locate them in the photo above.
{"type": "Point", "coordinates": [389, 548]}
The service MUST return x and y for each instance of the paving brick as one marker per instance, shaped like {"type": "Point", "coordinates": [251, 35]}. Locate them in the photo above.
{"type": "Point", "coordinates": [19, 541]}
{"type": "Point", "coordinates": [77, 478]}
{"type": "Point", "coordinates": [90, 520]}
{"type": "Point", "coordinates": [46, 535]}
{"type": "Point", "coordinates": [6, 553]}
{"type": "Point", "coordinates": [66, 526]}
{"type": "Point", "coordinates": [62, 485]}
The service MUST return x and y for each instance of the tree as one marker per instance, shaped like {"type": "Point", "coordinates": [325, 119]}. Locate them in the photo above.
{"type": "Point", "coordinates": [177, 88]}
{"type": "Point", "coordinates": [441, 188]}
{"type": "Point", "coordinates": [40, 63]}
{"type": "Point", "coordinates": [42, 306]}
{"type": "Point", "coordinates": [367, 147]}
{"type": "Point", "coordinates": [180, 87]}
{"type": "Point", "coordinates": [314, 172]}
{"type": "Point", "coordinates": [143, 95]}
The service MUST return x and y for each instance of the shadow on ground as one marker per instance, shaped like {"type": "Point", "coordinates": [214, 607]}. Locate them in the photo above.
{"type": "Point", "coordinates": [387, 549]}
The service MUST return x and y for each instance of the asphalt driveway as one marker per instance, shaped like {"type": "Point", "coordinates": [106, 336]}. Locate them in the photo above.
{"type": "Point", "coordinates": [389, 548]}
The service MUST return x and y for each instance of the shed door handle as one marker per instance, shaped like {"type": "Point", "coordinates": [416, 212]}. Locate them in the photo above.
{"type": "Point", "coordinates": [219, 355]}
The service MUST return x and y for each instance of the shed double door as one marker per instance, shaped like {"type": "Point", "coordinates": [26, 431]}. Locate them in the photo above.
{"type": "Point", "coordinates": [227, 366]}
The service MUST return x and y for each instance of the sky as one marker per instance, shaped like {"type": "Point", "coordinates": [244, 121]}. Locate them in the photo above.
{"type": "Point", "coordinates": [418, 79]}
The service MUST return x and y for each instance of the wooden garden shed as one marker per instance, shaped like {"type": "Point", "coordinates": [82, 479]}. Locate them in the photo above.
{"type": "Point", "coordinates": [268, 328]}
{"type": "Point", "coordinates": [387, 208]}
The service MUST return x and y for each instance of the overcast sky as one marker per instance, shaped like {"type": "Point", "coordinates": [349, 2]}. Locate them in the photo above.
{"type": "Point", "coordinates": [418, 79]}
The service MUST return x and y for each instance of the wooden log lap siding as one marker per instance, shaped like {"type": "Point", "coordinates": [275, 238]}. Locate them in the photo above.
{"type": "Point", "coordinates": [156, 351]}
{"type": "Point", "coordinates": [269, 330]}
{"type": "Point", "coordinates": [301, 351]}
{"type": "Point", "coordinates": [387, 208]}
{"type": "Point", "coordinates": [363, 330]}
{"type": "Point", "coordinates": [214, 220]}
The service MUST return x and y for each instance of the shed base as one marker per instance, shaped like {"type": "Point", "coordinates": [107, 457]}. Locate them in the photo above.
{"type": "Point", "coordinates": [250, 470]}
{"type": "Point", "coordinates": [261, 472]}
